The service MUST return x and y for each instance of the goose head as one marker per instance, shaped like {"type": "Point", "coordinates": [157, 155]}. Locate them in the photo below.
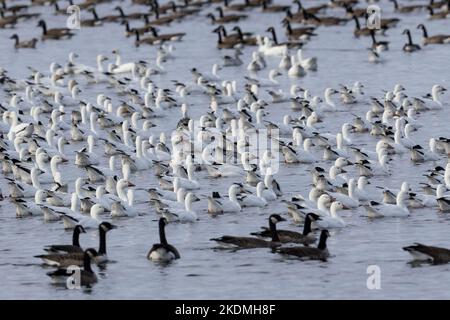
{"type": "Point", "coordinates": [97, 210]}
{"type": "Point", "coordinates": [106, 226]}
{"type": "Point", "coordinates": [275, 218]}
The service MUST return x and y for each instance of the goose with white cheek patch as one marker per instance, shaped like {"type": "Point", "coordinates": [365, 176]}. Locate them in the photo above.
{"type": "Point", "coordinates": [288, 236]}
{"type": "Point", "coordinates": [421, 252]}
{"type": "Point", "coordinates": [252, 243]}
{"type": "Point", "coordinates": [309, 253]}
{"type": "Point", "coordinates": [75, 247]}
{"type": "Point", "coordinates": [77, 258]}
{"type": "Point", "coordinates": [163, 251]}
{"type": "Point", "coordinates": [87, 275]}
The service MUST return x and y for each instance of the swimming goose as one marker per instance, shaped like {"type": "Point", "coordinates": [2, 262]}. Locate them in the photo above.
{"type": "Point", "coordinates": [163, 251]}
{"type": "Point", "coordinates": [24, 44]}
{"type": "Point", "coordinates": [437, 15]}
{"type": "Point", "coordinates": [410, 46]}
{"type": "Point", "coordinates": [76, 258]}
{"type": "Point", "coordinates": [65, 248]}
{"type": "Point", "coordinates": [309, 253]}
{"type": "Point", "coordinates": [225, 18]}
{"type": "Point", "coordinates": [436, 39]}
{"type": "Point", "coordinates": [288, 236]}
{"type": "Point", "coordinates": [87, 275]}
{"type": "Point", "coordinates": [252, 243]}
{"type": "Point", "coordinates": [296, 70]}
{"type": "Point", "coordinates": [272, 8]}
{"type": "Point", "coordinates": [303, 33]}
{"type": "Point", "coordinates": [408, 8]}
{"type": "Point", "coordinates": [421, 252]}
{"type": "Point", "coordinates": [55, 33]}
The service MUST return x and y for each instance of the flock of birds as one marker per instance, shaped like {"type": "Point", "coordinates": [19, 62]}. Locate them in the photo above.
{"type": "Point", "coordinates": [116, 138]}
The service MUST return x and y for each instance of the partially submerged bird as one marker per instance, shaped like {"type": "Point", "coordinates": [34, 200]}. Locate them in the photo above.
{"type": "Point", "coordinates": [309, 253]}
{"type": "Point", "coordinates": [163, 251]}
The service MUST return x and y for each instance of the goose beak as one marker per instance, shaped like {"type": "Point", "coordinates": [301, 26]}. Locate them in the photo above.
{"type": "Point", "coordinates": [64, 160]}
{"type": "Point", "coordinates": [130, 184]}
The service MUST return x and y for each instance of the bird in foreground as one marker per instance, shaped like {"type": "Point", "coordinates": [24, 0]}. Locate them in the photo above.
{"type": "Point", "coordinates": [421, 252]}
{"type": "Point", "coordinates": [67, 248]}
{"type": "Point", "coordinates": [309, 253]}
{"type": "Point", "coordinates": [86, 275]}
{"type": "Point", "coordinates": [163, 251]}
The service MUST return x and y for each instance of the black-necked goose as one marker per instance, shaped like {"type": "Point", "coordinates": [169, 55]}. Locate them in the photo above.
{"type": "Point", "coordinates": [238, 6]}
{"type": "Point", "coordinates": [358, 30]}
{"type": "Point", "coordinates": [323, 20]}
{"type": "Point", "coordinates": [55, 33]}
{"type": "Point", "coordinates": [378, 45]}
{"type": "Point", "coordinates": [228, 43]}
{"type": "Point", "coordinates": [437, 15]}
{"type": "Point", "coordinates": [421, 252]}
{"type": "Point", "coordinates": [95, 22]}
{"type": "Point", "coordinates": [15, 8]}
{"type": "Point", "coordinates": [303, 33]}
{"type": "Point", "coordinates": [309, 253]}
{"type": "Point", "coordinates": [251, 243]}
{"type": "Point", "coordinates": [410, 46]}
{"type": "Point", "coordinates": [87, 275]}
{"type": "Point", "coordinates": [67, 248]}
{"type": "Point", "coordinates": [227, 18]}
{"type": "Point", "coordinates": [288, 44]}
{"type": "Point", "coordinates": [273, 8]}
{"type": "Point", "coordinates": [406, 9]}
{"type": "Point", "coordinates": [131, 32]}
{"type": "Point", "coordinates": [436, 39]}
{"type": "Point", "coordinates": [286, 236]}
{"type": "Point", "coordinates": [24, 44]}
{"type": "Point", "coordinates": [148, 40]}
{"type": "Point", "coordinates": [313, 10]}
{"type": "Point", "coordinates": [163, 251]}
{"type": "Point", "coordinates": [168, 36]}
{"type": "Point", "coordinates": [76, 258]}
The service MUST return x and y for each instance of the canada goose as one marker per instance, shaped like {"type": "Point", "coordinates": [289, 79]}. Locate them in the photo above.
{"type": "Point", "coordinates": [410, 46]}
{"type": "Point", "coordinates": [225, 19]}
{"type": "Point", "coordinates": [406, 9]}
{"type": "Point", "coordinates": [229, 17]}
{"type": "Point", "coordinates": [323, 20]}
{"type": "Point", "coordinates": [75, 247]}
{"type": "Point", "coordinates": [168, 36]}
{"type": "Point", "coordinates": [286, 236]}
{"type": "Point", "coordinates": [95, 22]}
{"type": "Point", "coordinates": [358, 12]}
{"type": "Point", "coordinates": [76, 258]}
{"type": "Point", "coordinates": [273, 8]}
{"type": "Point", "coordinates": [289, 44]}
{"type": "Point", "coordinates": [87, 276]}
{"type": "Point", "coordinates": [134, 15]}
{"type": "Point", "coordinates": [228, 43]}
{"type": "Point", "coordinates": [24, 44]}
{"type": "Point", "coordinates": [309, 253]}
{"type": "Point", "coordinates": [15, 8]}
{"type": "Point", "coordinates": [437, 15]}
{"type": "Point", "coordinates": [250, 41]}
{"type": "Point", "coordinates": [148, 40]}
{"type": "Point", "coordinates": [159, 20]}
{"type": "Point", "coordinates": [436, 39]}
{"type": "Point", "coordinates": [238, 6]}
{"type": "Point", "coordinates": [5, 21]}
{"type": "Point", "coordinates": [360, 31]}
{"type": "Point", "coordinates": [251, 243]}
{"type": "Point", "coordinates": [423, 252]}
{"type": "Point", "coordinates": [131, 32]}
{"type": "Point", "coordinates": [342, 3]}
{"type": "Point", "coordinates": [163, 251]}
{"type": "Point", "coordinates": [297, 33]}
{"type": "Point", "coordinates": [55, 34]}
{"type": "Point", "coordinates": [378, 45]}
{"type": "Point", "coordinates": [312, 10]}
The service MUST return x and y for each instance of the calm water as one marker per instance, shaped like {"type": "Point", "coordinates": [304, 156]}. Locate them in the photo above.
{"type": "Point", "coordinates": [206, 273]}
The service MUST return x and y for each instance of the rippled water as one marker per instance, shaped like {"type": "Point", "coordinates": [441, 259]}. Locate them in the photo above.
{"type": "Point", "coordinates": [206, 273]}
